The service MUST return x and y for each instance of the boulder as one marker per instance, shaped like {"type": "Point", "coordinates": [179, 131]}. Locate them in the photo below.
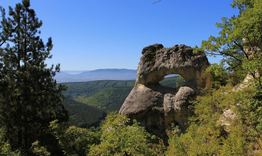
{"type": "Point", "coordinates": [227, 119]}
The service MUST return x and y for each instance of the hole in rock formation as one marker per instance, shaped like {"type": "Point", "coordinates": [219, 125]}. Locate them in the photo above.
{"type": "Point", "coordinates": [173, 81]}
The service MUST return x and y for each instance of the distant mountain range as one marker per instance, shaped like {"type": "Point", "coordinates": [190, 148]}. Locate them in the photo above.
{"type": "Point", "coordinates": [99, 74]}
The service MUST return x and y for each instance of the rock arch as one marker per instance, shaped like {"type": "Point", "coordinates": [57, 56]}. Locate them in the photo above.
{"type": "Point", "coordinates": [157, 106]}
{"type": "Point", "coordinates": [157, 62]}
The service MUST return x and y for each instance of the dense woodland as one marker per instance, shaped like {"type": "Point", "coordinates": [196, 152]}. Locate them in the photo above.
{"type": "Point", "coordinates": [39, 117]}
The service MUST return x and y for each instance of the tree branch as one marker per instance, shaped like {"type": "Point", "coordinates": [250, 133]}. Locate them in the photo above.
{"type": "Point", "coordinates": [3, 42]}
{"type": "Point", "coordinates": [241, 48]}
{"type": "Point", "coordinates": [220, 53]}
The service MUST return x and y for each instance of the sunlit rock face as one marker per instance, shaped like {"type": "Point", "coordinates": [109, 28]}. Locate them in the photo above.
{"type": "Point", "coordinates": [156, 106]}
{"type": "Point", "coordinates": [157, 62]}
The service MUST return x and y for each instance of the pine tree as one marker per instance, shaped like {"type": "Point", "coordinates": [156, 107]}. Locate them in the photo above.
{"type": "Point", "coordinates": [30, 97]}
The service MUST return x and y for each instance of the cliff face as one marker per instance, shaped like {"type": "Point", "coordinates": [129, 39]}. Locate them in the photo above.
{"type": "Point", "coordinates": [156, 106]}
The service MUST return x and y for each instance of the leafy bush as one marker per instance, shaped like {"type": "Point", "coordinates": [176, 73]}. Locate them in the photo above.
{"type": "Point", "coordinates": [120, 136]}
{"type": "Point", "coordinates": [218, 74]}
{"type": "Point", "coordinates": [74, 140]}
{"type": "Point", "coordinates": [39, 150]}
{"type": "Point", "coordinates": [206, 135]}
{"type": "Point", "coordinates": [5, 148]}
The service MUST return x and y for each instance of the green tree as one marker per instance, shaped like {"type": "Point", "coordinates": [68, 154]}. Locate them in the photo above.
{"type": "Point", "coordinates": [5, 148]}
{"type": "Point", "coordinates": [39, 150]}
{"type": "Point", "coordinates": [31, 98]}
{"type": "Point", "coordinates": [203, 136]}
{"type": "Point", "coordinates": [74, 141]}
{"type": "Point", "coordinates": [234, 144]}
{"type": "Point", "coordinates": [121, 137]}
{"type": "Point", "coordinates": [218, 74]}
{"type": "Point", "coordinates": [240, 39]}
{"type": "Point", "coordinates": [210, 133]}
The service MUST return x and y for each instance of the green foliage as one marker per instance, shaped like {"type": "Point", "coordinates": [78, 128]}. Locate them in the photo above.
{"type": "Point", "coordinates": [207, 135]}
{"type": "Point", "coordinates": [5, 148]}
{"type": "Point", "coordinates": [173, 82]}
{"type": "Point", "coordinates": [74, 141]}
{"type": "Point", "coordinates": [87, 102]}
{"type": "Point", "coordinates": [75, 89]}
{"type": "Point", "coordinates": [254, 67]}
{"type": "Point", "coordinates": [108, 99]}
{"type": "Point", "coordinates": [105, 95]}
{"type": "Point", "coordinates": [202, 136]}
{"type": "Point", "coordinates": [248, 24]}
{"type": "Point", "coordinates": [240, 42]}
{"type": "Point", "coordinates": [250, 110]}
{"type": "Point", "coordinates": [234, 144]}
{"type": "Point", "coordinates": [83, 115]}
{"type": "Point", "coordinates": [30, 97]}
{"type": "Point", "coordinates": [176, 147]}
{"type": "Point", "coordinates": [197, 141]}
{"type": "Point", "coordinates": [242, 4]}
{"type": "Point", "coordinates": [218, 74]}
{"type": "Point", "coordinates": [121, 137]}
{"type": "Point", "coordinates": [197, 50]}
{"type": "Point", "coordinates": [39, 150]}
{"type": "Point", "coordinates": [240, 38]}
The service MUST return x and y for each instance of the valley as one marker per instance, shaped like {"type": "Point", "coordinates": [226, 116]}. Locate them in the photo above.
{"type": "Point", "coordinates": [89, 102]}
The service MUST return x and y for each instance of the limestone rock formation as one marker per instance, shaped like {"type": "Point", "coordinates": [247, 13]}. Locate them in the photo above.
{"type": "Point", "coordinates": [157, 106]}
{"type": "Point", "coordinates": [227, 118]}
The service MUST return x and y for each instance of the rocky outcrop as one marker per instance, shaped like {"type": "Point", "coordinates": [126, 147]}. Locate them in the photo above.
{"type": "Point", "coordinates": [227, 119]}
{"type": "Point", "coordinates": [156, 106]}
{"type": "Point", "coordinates": [157, 62]}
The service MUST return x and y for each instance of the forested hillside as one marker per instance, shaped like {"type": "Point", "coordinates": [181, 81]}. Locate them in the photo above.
{"type": "Point", "coordinates": [83, 115]}
{"type": "Point", "coordinates": [88, 102]}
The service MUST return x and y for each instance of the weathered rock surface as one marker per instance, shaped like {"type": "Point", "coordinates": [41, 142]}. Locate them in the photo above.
{"type": "Point", "coordinates": [227, 119]}
{"type": "Point", "coordinates": [157, 62]}
{"type": "Point", "coordinates": [156, 106]}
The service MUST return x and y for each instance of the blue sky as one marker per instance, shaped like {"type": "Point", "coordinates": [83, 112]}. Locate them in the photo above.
{"type": "Point", "coordinates": [93, 34]}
